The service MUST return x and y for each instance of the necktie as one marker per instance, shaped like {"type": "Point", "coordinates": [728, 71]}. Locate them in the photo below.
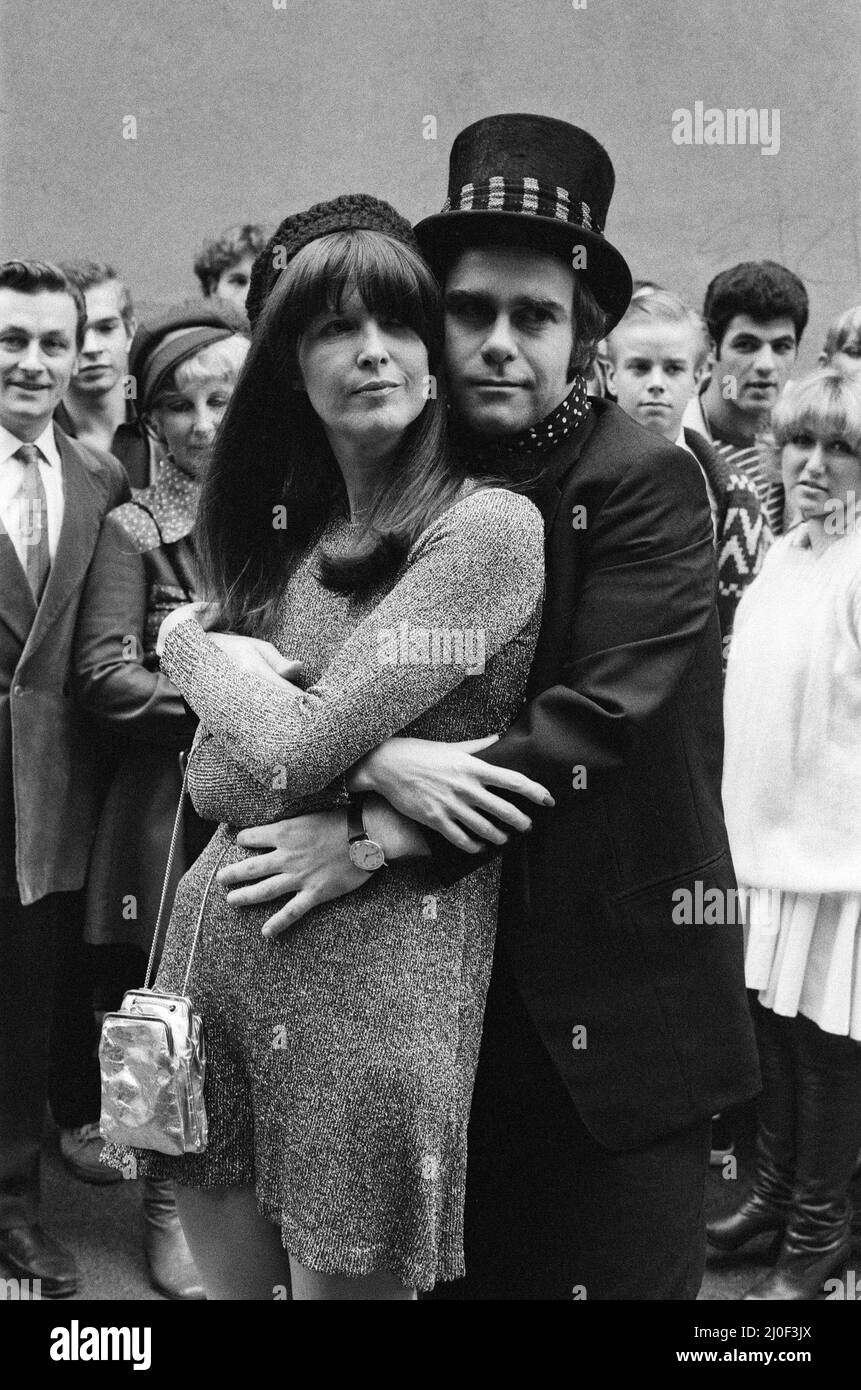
{"type": "Point", "coordinates": [33, 519]}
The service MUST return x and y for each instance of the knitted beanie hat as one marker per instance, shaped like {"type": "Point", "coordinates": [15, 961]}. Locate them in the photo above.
{"type": "Point", "coordinates": [350, 212]}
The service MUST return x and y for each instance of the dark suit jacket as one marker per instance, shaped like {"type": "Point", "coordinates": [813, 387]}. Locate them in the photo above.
{"type": "Point", "coordinates": [117, 680]}
{"type": "Point", "coordinates": [625, 695]}
{"type": "Point", "coordinates": [115, 672]}
{"type": "Point", "coordinates": [48, 777]}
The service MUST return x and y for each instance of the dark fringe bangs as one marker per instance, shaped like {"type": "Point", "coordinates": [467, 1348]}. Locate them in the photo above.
{"type": "Point", "coordinates": [391, 280]}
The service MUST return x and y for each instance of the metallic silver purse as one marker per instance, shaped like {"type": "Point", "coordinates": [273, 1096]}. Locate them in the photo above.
{"type": "Point", "coordinates": [152, 1054]}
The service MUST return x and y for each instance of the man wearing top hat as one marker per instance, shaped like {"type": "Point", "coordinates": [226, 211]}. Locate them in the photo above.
{"type": "Point", "coordinates": [612, 1033]}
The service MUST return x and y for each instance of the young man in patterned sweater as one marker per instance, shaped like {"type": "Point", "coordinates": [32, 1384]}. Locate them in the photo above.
{"type": "Point", "coordinates": [756, 313]}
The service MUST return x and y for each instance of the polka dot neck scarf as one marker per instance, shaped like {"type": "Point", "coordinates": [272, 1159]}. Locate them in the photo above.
{"type": "Point", "coordinates": [546, 434]}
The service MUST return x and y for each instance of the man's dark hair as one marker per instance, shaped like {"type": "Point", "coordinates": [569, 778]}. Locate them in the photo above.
{"type": "Point", "coordinates": [88, 275]}
{"type": "Point", "coordinates": [763, 290]}
{"type": "Point", "coordinates": [35, 277]}
{"type": "Point", "coordinates": [220, 253]}
{"type": "Point", "coordinates": [590, 327]}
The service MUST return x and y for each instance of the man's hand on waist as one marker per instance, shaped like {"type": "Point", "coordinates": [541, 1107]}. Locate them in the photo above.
{"type": "Point", "coordinates": [445, 787]}
{"type": "Point", "coordinates": [308, 857]}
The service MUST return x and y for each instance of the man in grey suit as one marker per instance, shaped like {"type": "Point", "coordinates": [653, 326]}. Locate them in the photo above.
{"type": "Point", "coordinates": [54, 493]}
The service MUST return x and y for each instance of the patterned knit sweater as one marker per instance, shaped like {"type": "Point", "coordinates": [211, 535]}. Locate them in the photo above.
{"type": "Point", "coordinates": [745, 461]}
{"type": "Point", "coordinates": [742, 533]}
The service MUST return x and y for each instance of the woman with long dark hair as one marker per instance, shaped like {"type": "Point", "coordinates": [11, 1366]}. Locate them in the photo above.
{"type": "Point", "coordinates": [336, 526]}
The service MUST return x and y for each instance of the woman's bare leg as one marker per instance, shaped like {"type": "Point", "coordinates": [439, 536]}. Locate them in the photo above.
{"type": "Point", "coordinates": [382, 1287]}
{"type": "Point", "coordinates": [238, 1252]}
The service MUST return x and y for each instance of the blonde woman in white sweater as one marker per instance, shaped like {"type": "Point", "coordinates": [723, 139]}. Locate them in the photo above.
{"type": "Point", "coordinates": [792, 794]}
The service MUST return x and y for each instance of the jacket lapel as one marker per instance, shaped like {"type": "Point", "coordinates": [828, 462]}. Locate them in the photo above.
{"type": "Point", "coordinates": [78, 535]}
{"type": "Point", "coordinates": [18, 607]}
{"type": "Point", "coordinates": [547, 492]}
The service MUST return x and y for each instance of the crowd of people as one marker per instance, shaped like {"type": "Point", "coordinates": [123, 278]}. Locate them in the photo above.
{"type": "Point", "coordinates": [479, 607]}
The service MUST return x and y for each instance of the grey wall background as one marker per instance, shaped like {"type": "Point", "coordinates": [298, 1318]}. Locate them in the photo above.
{"type": "Point", "coordinates": [245, 110]}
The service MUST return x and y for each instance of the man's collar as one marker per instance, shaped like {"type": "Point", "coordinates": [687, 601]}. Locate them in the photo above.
{"type": "Point", "coordinates": [545, 487]}
{"type": "Point", "coordinates": [46, 442]}
{"type": "Point", "coordinates": [694, 418]}
{"type": "Point", "coordinates": [67, 425]}
{"type": "Point", "coordinates": [132, 420]}
{"type": "Point", "coordinates": [697, 418]}
{"type": "Point", "coordinates": [65, 421]}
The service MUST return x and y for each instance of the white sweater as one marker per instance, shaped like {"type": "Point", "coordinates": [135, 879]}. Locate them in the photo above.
{"type": "Point", "coordinates": [792, 768]}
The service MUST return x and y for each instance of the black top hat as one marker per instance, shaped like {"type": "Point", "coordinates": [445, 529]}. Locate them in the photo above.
{"type": "Point", "coordinates": [531, 181]}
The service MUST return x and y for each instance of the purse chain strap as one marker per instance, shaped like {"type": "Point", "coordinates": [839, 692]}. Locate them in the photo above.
{"type": "Point", "coordinates": [170, 858]}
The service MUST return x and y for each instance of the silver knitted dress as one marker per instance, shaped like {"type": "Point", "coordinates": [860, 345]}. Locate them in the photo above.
{"type": "Point", "coordinates": [342, 1054]}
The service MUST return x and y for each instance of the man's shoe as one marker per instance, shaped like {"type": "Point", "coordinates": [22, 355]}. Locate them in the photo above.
{"type": "Point", "coordinates": [32, 1254]}
{"type": "Point", "coordinates": [80, 1149]}
{"type": "Point", "coordinates": [171, 1268]}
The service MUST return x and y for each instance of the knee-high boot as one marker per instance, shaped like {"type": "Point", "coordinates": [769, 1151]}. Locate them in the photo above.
{"type": "Point", "coordinates": [818, 1237]}
{"type": "Point", "coordinates": [169, 1260]}
{"type": "Point", "coordinates": [766, 1204]}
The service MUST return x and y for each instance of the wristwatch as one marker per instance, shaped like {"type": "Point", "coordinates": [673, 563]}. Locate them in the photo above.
{"type": "Point", "coordinates": [365, 853]}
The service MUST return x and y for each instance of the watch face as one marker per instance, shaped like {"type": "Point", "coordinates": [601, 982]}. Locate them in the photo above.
{"type": "Point", "coordinates": [367, 855]}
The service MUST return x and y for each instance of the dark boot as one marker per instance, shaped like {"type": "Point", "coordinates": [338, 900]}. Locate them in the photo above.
{"type": "Point", "coordinates": [766, 1204]}
{"type": "Point", "coordinates": [818, 1237]}
{"type": "Point", "coordinates": [171, 1267]}
{"type": "Point", "coordinates": [36, 1257]}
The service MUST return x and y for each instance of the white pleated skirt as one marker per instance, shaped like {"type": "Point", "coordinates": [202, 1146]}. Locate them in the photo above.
{"type": "Point", "coordinates": [803, 955]}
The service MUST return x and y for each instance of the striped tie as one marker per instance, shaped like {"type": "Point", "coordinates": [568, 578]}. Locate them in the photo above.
{"type": "Point", "coordinates": [33, 519]}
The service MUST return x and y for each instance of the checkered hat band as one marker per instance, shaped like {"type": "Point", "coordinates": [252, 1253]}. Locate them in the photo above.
{"type": "Point", "coordinates": [523, 195]}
